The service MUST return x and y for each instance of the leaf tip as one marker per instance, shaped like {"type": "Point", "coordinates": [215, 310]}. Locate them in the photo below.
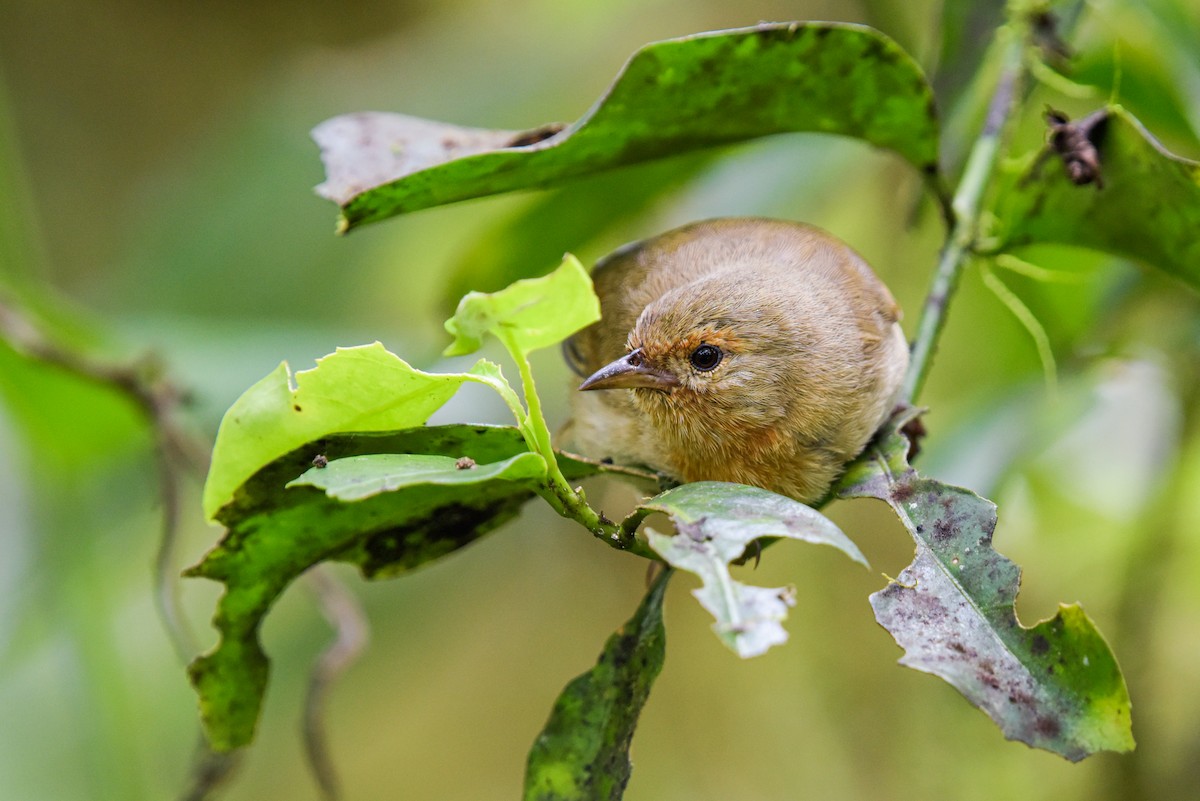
{"type": "Point", "coordinates": [852, 550]}
{"type": "Point", "coordinates": [461, 346]}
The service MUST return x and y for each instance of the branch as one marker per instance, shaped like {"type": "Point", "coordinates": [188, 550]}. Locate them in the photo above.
{"type": "Point", "coordinates": [965, 206]}
{"type": "Point", "coordinates": [177, 451]}
{"type": "Point", "coordinates": [210, 771]}
{"type": "Point", "coordinates": [344, 613]}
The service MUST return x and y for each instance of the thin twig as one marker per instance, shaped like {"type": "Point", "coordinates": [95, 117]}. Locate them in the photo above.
{"type": "Point", "coordinates": [1026, 33]}
{"type": "Point", "coordinates": [966, 203]}
{"type": "Point", "coordinates": [166, 571]}
{"type": "Point", "coordinates": [349, 622]}
{"type": "Point", "coordinates": [210, 771]}
{"type": "Point", "coordinates": [175, 448]}
{"type": "Point", "coordinates": [176, 451]}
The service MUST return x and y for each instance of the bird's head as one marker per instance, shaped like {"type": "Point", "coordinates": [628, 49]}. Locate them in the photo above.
{"type": "Point", "coordinates": [715, 351]}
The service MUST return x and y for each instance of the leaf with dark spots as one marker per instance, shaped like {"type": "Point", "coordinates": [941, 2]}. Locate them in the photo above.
{"type": "Point", "coordinates": [1148, 209]}
{"type": "Point", "coordinates": [407, 520]}
{"type": "Point", "coordinates": [397, 550]}
{"type": "Point", "coordinates": [583, 752]}
{"type": "Point", "coordinates": [671, 97]}
{"type": "Point", "coordinates": [716, 523]}
{"type": "Point", "coordinates": [1055, 686]}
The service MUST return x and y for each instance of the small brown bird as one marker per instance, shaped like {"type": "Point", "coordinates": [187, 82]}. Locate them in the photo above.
{"type": "Point", "coordinates": [755, 351]}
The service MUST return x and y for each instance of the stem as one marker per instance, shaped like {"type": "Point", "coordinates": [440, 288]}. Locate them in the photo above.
{"type": "Point", "coordinates": [177, 450]}
{"type": "Point", "coordinates": [351, 633]}
{"type": "Point", "coordinates": [564, 499]}
{"type": "Point", "coordinates": [157, 401]}
{"type": "Point", "coordinates": [568, 502]}
{"type": "Point", "coordinates": [966, 203]}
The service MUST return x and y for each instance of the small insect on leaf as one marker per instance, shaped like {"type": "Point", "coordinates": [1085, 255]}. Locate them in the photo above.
{"type": "Point", "coordinates": [1073, 143]}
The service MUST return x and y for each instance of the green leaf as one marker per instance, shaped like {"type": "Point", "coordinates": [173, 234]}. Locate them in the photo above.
{"type": "Point", "coordinates": [529, 314]}
{"type": "Point", "coordinates": [428, 508]}
{"type": "Point", "coordinates": [672, 97]}
{"type": "Point", "coordinates": [716, 522]}
{"type": "Point", "coordinates": [1146, 208]}
{"type": "Point", "coordinates": [583, 752]}
{"type": "Point", "coordinates": [1055, 686]}
{"type": "Point", "coordinates": [364, 388]}
{"type": "Point", "coordinates": [359, 477]}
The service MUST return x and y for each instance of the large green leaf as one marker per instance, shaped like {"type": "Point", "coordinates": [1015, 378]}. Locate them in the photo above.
{"type": "Point", "coordinates": [583, 752]}
{"type": "Point", "coordinates": [1145, 206]}
{"type": "Point", "coordinates": [715, 522]}
{"type": "Point", "coordinates": [671, 97]}
{"type": "Point", "coordinates": [364, 388]}
{"type": "Point", "coordinates": [387, 502]}
{"type": "Point", "coordinates": [1055, 686]}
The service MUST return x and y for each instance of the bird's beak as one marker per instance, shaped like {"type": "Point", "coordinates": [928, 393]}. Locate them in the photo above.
{"type": "Point", "coordinates": [629, 372]}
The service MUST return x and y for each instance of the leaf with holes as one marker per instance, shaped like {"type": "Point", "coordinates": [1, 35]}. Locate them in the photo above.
{"type": "Point", "coordinates": [1143, 202]}
{"type": "Point", "coordinates": [715, 524]}
{"type": "Point", "coordinates": [583, 752]}
{"type": "Point", "coordinates": [1055, 686]}
{"type": "Point", "coordinates": [387, 502]}
{"type": "Point", "coordinates": [527, 315]}
{"type": "Point", "coordinates": [672, 97]}
{"type": "Point", "coordinates": [358, 389]}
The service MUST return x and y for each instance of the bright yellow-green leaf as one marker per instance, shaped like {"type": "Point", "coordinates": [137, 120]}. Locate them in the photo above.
{"type": "Point", "coordinates": [528, 314]}
{"type": "Point", "coordinates": [364, 388]}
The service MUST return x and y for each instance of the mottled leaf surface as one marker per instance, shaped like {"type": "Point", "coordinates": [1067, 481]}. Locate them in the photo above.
{"type": "Point", "coordinates": [715, 522]}
{"type": "Point", "coordinates": [1055, 686]}
{"type": "Point", "coordinates": [365, 388]}
{"type": "Point", "coordinates": [583, 752]}
{"type": "Point", "coordinates": [410, 504]}
{"type": "Point", "coordinates": [1146, 205]}
{"type": "Point", "coordinates": [672, 97]}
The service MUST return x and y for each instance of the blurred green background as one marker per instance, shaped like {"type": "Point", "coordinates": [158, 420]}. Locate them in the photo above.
{"type": "Point", "coordinates": [155, 176]}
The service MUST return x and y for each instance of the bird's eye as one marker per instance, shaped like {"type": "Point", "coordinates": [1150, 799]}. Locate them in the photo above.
{"type": "Point", "coordinates": [706, 357]}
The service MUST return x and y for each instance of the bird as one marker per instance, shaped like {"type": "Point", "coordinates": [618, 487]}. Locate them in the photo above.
{"type": "Point", "coordinates": [747, 350]}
